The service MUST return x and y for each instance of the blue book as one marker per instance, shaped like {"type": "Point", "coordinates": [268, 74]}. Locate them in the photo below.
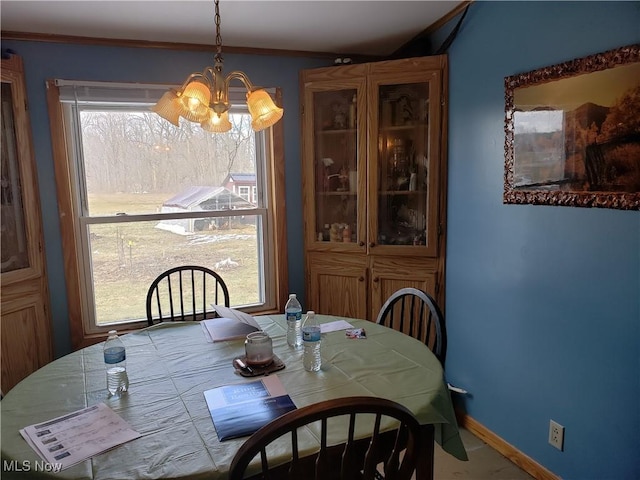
{"type": "Point", "coordinates": [238, 410]}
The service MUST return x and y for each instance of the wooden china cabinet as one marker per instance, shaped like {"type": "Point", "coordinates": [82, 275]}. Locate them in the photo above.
{"type": "Point", "coordinates": [25, 333]}
{"type": "Point", "coordinates": [374, 182]}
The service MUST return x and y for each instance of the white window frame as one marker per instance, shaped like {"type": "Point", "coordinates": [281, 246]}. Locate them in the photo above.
{"type": "Point", "coordinates": [244, 191]}
{"type": "Point", "coordinates": [273, 278]}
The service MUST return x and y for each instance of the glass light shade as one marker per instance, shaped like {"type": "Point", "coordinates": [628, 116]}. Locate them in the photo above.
{"type": "Point", "coordinates": [217, 124]}
{"type": "Point", "coordinates": [167, 108]}
{"type": "Point", "coordinates": [197, 114]}
{"type": "Point", "coordinates": [263, 110]}
{"type": "Point", "coordinates": [196, 92]}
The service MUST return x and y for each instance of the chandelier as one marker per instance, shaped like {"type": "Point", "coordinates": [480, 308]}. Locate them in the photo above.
{"type": "Point", "coordinates": [204, 97]}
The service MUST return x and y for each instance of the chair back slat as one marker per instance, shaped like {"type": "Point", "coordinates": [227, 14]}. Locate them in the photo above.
{"type": "Point", "coordinates": [322, 467]}
{"type": "Point", "coordinates": [171, 308]}
{"type": "Point", "coordinates": [185, 293]}
{"type": "Point", "coordinates": [296, 469]}
{"type": "Point", "coordinates": [415, 313]}
{"type": "Point", "coordinates": [180, 297]}
{"type": "Point", "coordinates": [264, 460]}
{"type": "Point", "coordinates": [348, 468]}
{"type": "Point", "coordinates": [204, 293]}
{"type": "Point", "coordinates": [357, 457]}
{"type": "Point", "coordinates": [159, 306]}
{"type": "Point", "coordinates": [372, 456]}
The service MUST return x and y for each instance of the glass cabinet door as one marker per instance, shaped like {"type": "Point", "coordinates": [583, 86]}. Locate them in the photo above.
{"type": "Point", "coordinates": [404, 212]}
{"type": "Point", "coordinates": [336, 167]}
{"type": "Point", "coordinates": [15, 252]}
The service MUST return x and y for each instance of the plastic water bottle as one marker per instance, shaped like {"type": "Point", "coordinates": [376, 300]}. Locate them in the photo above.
{"type": "Point", "coordinates": [115, 361]}
{"type": "Point", "coordinates": [311, 340]}
{"type": "Point", "coordinates": [293, 312]}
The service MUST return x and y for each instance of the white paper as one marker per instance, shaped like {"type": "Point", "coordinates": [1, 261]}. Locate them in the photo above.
{"type": "Point", "coordinates": [69, 439]}
{"type": "Point", "coordinates": [220, 328]}
{"type": "Point", "coordinates": [335, 326]}
{"type": "Point", "coordinates": [225, 328]}
{"type": "Point", "coordinates": [237, 314]}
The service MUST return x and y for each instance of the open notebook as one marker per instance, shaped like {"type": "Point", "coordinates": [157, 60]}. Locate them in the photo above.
{"type": "Point", "coordinates": [231, 324]}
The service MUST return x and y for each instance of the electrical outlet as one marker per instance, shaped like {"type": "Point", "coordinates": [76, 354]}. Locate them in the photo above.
{"type": "Point", "coordinates": [556, 435]}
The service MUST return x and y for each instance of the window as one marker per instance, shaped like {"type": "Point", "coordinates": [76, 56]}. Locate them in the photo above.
{"type": "Point", "coordinates": [254, 194]}
{"type": "Point", "coordinates": [243, 191]}
{"type": "Point", "coordinates": [144, 196]}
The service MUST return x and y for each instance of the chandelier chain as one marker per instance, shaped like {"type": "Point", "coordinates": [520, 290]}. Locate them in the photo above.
{"type": "Point", "coordinates": [218, 56]}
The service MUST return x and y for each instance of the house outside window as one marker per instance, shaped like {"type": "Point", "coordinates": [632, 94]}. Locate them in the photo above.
{"type": "Point", "coordinates": [244, 184]}
{"type": "Point", "coordinates": [148, 196]}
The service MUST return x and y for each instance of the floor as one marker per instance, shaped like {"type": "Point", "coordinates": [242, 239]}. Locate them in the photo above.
{"type": "Point", "coordinates": [484, 463]}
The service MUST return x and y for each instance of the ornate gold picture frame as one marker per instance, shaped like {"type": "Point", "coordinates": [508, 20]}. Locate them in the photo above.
{"type": "Point", "coordinates": [572, 133]}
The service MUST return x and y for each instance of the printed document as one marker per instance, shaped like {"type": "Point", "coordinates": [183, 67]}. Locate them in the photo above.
{"type": "Point", "coordinates": [72, 438]}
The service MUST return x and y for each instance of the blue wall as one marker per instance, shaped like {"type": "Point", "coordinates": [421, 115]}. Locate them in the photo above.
{"type": "Point", "coordinates": [44, 61]}
{"type": "Point", "coordinates": [543, 302]}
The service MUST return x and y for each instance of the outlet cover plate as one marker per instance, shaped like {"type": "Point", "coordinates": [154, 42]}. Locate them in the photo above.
{"type": "Point", "coordinates": [556, 435]}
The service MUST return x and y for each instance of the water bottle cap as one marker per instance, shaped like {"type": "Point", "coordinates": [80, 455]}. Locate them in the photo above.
{"type": "Point", "coordinates": [311, 312]}
{"type": "Point", "coordinates": [113, 332]}
{"type": "Point", "coordinates": [292, 295]}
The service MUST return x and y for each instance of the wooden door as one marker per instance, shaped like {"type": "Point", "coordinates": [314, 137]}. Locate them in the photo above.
{"type": "Point", "coordinates": [337, 284]}
{"type": "Point", "coordinates": [25, 328]}
{"type": "Point", "coordinates": [389, 274]}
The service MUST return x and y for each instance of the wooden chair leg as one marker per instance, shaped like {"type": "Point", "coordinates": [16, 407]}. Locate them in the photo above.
{"type": "Point", "coordinates": [424, 469]}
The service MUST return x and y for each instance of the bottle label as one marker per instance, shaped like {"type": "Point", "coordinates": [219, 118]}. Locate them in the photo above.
{"type": "Point", "coordinates": [311, 335]}
{"type": "Point", "coordinates": [294, 316]}
{"type": "Point", "coordinates": [114, 355]}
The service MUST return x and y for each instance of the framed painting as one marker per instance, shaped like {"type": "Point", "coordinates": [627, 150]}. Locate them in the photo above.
{"type": "Point", "coordinates": [572, 133]}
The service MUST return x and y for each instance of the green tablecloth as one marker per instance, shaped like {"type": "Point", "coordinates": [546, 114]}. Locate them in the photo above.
{"type": "Point", "coordinates": [170, 365]}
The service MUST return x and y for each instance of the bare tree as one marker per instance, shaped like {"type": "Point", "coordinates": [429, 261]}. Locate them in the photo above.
{"type": "Point", "coordinates": [139, 151]}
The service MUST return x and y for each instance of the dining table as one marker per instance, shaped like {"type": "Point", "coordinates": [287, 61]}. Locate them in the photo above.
{"type": "Point", "coordinates": [170, 365]}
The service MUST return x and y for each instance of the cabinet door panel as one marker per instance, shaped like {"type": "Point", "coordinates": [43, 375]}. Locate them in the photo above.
{"type": "Point", "coordinates": [337, 285]}
{"type": "Point", "coordinates": [25, 346]}
{"type": "Point", "coordinates": [404, 164]}
{"type": "Point", "coordinates": [334, 176]}
{"type": "Point", "coordinates": [391, 274]}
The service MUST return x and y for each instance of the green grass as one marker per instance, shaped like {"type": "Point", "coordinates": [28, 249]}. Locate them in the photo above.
{"type": "Point", "coordinates": [127, 257]}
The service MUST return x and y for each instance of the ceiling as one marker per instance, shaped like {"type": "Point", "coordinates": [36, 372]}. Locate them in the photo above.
{"type": "Point", "coordinates": [364, 27]}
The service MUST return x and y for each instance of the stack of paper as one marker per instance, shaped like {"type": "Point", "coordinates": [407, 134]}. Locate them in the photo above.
{"type": "Point", "coordinates": [72, 438]}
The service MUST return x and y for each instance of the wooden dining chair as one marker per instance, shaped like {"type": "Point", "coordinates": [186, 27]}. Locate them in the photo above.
{"type": "Point", "coordinates": [354, 457]}
{"type": "Point", "coordinates": [187, 292]}
{"type": "Point", "coordinates": [416, 313]}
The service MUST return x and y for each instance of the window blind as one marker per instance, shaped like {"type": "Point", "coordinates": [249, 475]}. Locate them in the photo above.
{"type": "Point", "coordinates": [87, 93]}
